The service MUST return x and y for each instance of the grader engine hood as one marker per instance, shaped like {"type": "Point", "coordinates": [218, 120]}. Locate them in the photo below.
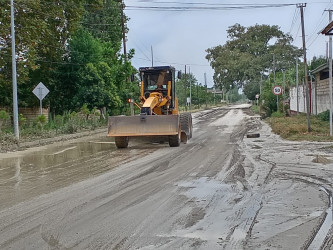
{"type": "Point", "coordinates": [143, 125]}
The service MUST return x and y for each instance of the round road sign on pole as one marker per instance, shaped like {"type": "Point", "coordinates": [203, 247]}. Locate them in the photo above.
{"type": "Point", "coordinates": [277, 90]}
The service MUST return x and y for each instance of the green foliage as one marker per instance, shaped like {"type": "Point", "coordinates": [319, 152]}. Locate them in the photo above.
{"type": "Point", "coordinates": [42, 29]}
{"type": "Point", "coordinates": [98, 18]}
{"type": "Point", "coordinates": [233, 96]}
{"type": "Point", "coordinates": [316, 62]}
{"type": "Point", "coordinates": [251, 89]}
{"type": "Point", "coordinates": [41, 119]}
{"type": "Point", "coordinates": [249, 53]}
{"type": "Point", "coordinates": [324, 116]}
{"type": "Point", "coordinates": [84, 109]}
{"type": "Point", "coordinates": [4, 116]}
{"type": "Point", "coordinates": [73, 47]}
{"type": "Point", "coordinates": [21, 119]}
{"type": "Point", "coordinates": [199, 93]}
{"type": "Point", "coordinates": [277, 114]}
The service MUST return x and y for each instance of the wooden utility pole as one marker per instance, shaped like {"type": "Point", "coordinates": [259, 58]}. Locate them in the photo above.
{"type": "Point", "coordinates": [301, 6]}
{"type": "Point", "coordinates": [123, 29]}
{"type": "Point", "coordinates": [330, 73]}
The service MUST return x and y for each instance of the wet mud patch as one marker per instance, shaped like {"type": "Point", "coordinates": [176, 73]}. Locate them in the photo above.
{"type": "Point", "coordinates": [194, 216]}
{"type": "Point", "coordinates": [46, 169]}
{"type": "Point", "coordinates": [321, 159]}
{"type": "Point", "coordinates": [256, 147]}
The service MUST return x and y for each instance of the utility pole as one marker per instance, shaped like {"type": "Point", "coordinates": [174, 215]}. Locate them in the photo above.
{"type": "Point", "coordinates": [185, 83]}
{"type": "Point", "coordinates": [152, 56]}
{"type": "Point", "coordinates": [15, 102]}
{"type": "Point", "coordinates": [301, 6]}
{"type": "Point", "coordinates": [284, 80]}
{"type": "Point", "coordinates": [206, 88]}
{"type": "Point", "coordinates": [189, 73]}
{"type": "Point", "coordinates": [198, 95]}
{"type": "Point", "coordinates": [330, 73]}
{"type": "Point", "coordinates": [283, 86]}
{"type": "Point", "coordinates": [274, 68]}
{"type": "Point", "coordinates": [123, 28]}
{"type": "Point", "coordinates": [260, 84]}
{"type": "Point", "coordinates": [297, 93]}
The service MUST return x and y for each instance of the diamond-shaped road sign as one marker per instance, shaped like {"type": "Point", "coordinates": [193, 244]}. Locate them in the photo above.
{"type": "Point", "coordinates": [40, 91]}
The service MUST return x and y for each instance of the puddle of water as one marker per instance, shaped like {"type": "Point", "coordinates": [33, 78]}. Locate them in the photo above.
{"type": "Point", "coordinates": [54, 167]}
{"type": "Point", "coordinates": [319, 239]}
{"type": "Point", "coordinates": [202, 188]}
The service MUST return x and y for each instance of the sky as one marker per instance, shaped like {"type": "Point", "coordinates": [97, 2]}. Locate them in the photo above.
{"type": "Point", "coordinates": [180, 37]}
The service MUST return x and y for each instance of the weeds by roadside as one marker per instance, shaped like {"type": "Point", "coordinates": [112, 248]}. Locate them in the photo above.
{"type": "Point", "coordinates": [295, 128]}
{"type": "Point", "coordinates": [68, 123]}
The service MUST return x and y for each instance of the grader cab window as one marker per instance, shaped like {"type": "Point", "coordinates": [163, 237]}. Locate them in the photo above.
{"type": "Point", "coordinates": [156, 80]}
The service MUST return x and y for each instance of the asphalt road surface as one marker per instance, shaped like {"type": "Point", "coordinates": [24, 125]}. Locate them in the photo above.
{"type": "Point", "coordinates": [221, 190]}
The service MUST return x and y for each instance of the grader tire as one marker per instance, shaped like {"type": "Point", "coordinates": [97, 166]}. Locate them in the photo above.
{"type": "Point", "coordinates": [121, 141]}
{"type": "Point", "coordinates": [174, 140]}
{"type": "Point", "coordinates": [186, 124]}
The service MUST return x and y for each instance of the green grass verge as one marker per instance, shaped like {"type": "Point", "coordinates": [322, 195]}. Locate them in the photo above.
{"type": "Point", "coordinates": [295, 128]}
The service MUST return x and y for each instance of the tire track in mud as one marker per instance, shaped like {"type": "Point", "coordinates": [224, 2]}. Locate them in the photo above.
{"type": "Point", "coordinates": [298, 170]}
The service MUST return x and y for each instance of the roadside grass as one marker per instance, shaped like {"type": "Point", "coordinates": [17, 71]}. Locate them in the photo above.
{"type": "Point", "coordinates": [295, 128]}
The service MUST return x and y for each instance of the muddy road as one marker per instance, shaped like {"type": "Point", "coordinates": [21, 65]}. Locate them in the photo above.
{"type": "Point", "coordinates": [221, 190]}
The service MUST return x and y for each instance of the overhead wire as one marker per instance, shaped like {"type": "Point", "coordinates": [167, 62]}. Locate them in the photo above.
{"type": "Point", "coordinates": [202, 8]}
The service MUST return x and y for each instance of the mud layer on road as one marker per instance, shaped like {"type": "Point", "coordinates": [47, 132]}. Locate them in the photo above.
{"type": "Point", "coordinates": [221, 190]}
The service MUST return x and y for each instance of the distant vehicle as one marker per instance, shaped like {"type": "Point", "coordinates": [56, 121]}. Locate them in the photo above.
{"type": "Point", "coordinates": [159, 113]}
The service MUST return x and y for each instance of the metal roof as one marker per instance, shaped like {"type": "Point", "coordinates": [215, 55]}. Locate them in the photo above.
{"type": "Point", "coordinates": [320, 68]}
{"type": "Point", "coordinates": [327, 31]}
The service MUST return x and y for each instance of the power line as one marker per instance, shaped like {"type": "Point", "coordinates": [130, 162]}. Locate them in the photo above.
{"type": "Point", "coordinates": [213, 7]}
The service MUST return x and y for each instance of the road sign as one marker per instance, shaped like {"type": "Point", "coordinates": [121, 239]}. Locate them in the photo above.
{"type": "Point", "coordinates": [40, 91]}
{"type": "Point", "coordinates": [277, 90]}
{"type": "Point", "coordinates": [257, 96]}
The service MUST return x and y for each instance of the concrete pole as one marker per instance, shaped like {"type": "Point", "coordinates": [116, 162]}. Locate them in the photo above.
{"type": "Point", "coordinates": [15, 102]}
{"type": "Point", "coordinates": [206, 88]}
{"type": "Point", "coordinates": [189, 70]}
{"type": "Point", "coordinates": [297, 92]}
{"type": "Point", "coordinates": [330, 75]}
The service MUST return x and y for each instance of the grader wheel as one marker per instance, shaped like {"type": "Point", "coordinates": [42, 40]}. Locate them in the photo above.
{"type": "Point", "coordinates": [186, 124]}
{"type": "Point", "coordinates": [121, 141]}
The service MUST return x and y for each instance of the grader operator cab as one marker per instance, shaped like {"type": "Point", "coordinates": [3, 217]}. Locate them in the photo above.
{"type": "Point", "coordinates": [159, 114]}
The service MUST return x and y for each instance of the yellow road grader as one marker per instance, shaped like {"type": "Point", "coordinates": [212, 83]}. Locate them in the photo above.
{"type": "Point", "coordinates": [159, 114]}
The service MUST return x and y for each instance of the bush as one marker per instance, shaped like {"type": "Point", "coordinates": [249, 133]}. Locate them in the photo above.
{"type": "Point", "coordinates": [4, 115]}
{"type": "Point", "coordinates": [277, 114]}
{"type": "Point", "coordinates": [324, 116]}
{"type": "Point", "coordinates": [3, 118]}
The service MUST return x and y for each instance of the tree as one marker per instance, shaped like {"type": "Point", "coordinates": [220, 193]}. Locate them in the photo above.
{"type": "Point", "coordinates": [42, 29]}
{"type": "Point", "coordinates": [104, 21]}
{"type": "Point", "coordinates": [249, 53]}
{"type": "Point", "coordinates": [316, 62]}
{"type": "Point", "coordinates": [182, 87]}
{"type": "Point", "coordinates": [251, 89]}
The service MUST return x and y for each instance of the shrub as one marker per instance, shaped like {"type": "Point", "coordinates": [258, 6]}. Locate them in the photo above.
{"type": "Point", "coordinates": [277, 114]}
{"type": "Point", "coordinates": [21, 119]}
{"type": "Point", "coordinates": [4, 115]}
{"type": "Point", "coordinates": [324, 116]}
{"type": "Point", "coordinates": [3, 118]}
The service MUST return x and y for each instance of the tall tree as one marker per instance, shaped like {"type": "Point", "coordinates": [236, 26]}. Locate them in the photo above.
{"type": "Point", "coordinates": [248, 53]}
{"type": "Point", "coordinates": [42, 29]}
